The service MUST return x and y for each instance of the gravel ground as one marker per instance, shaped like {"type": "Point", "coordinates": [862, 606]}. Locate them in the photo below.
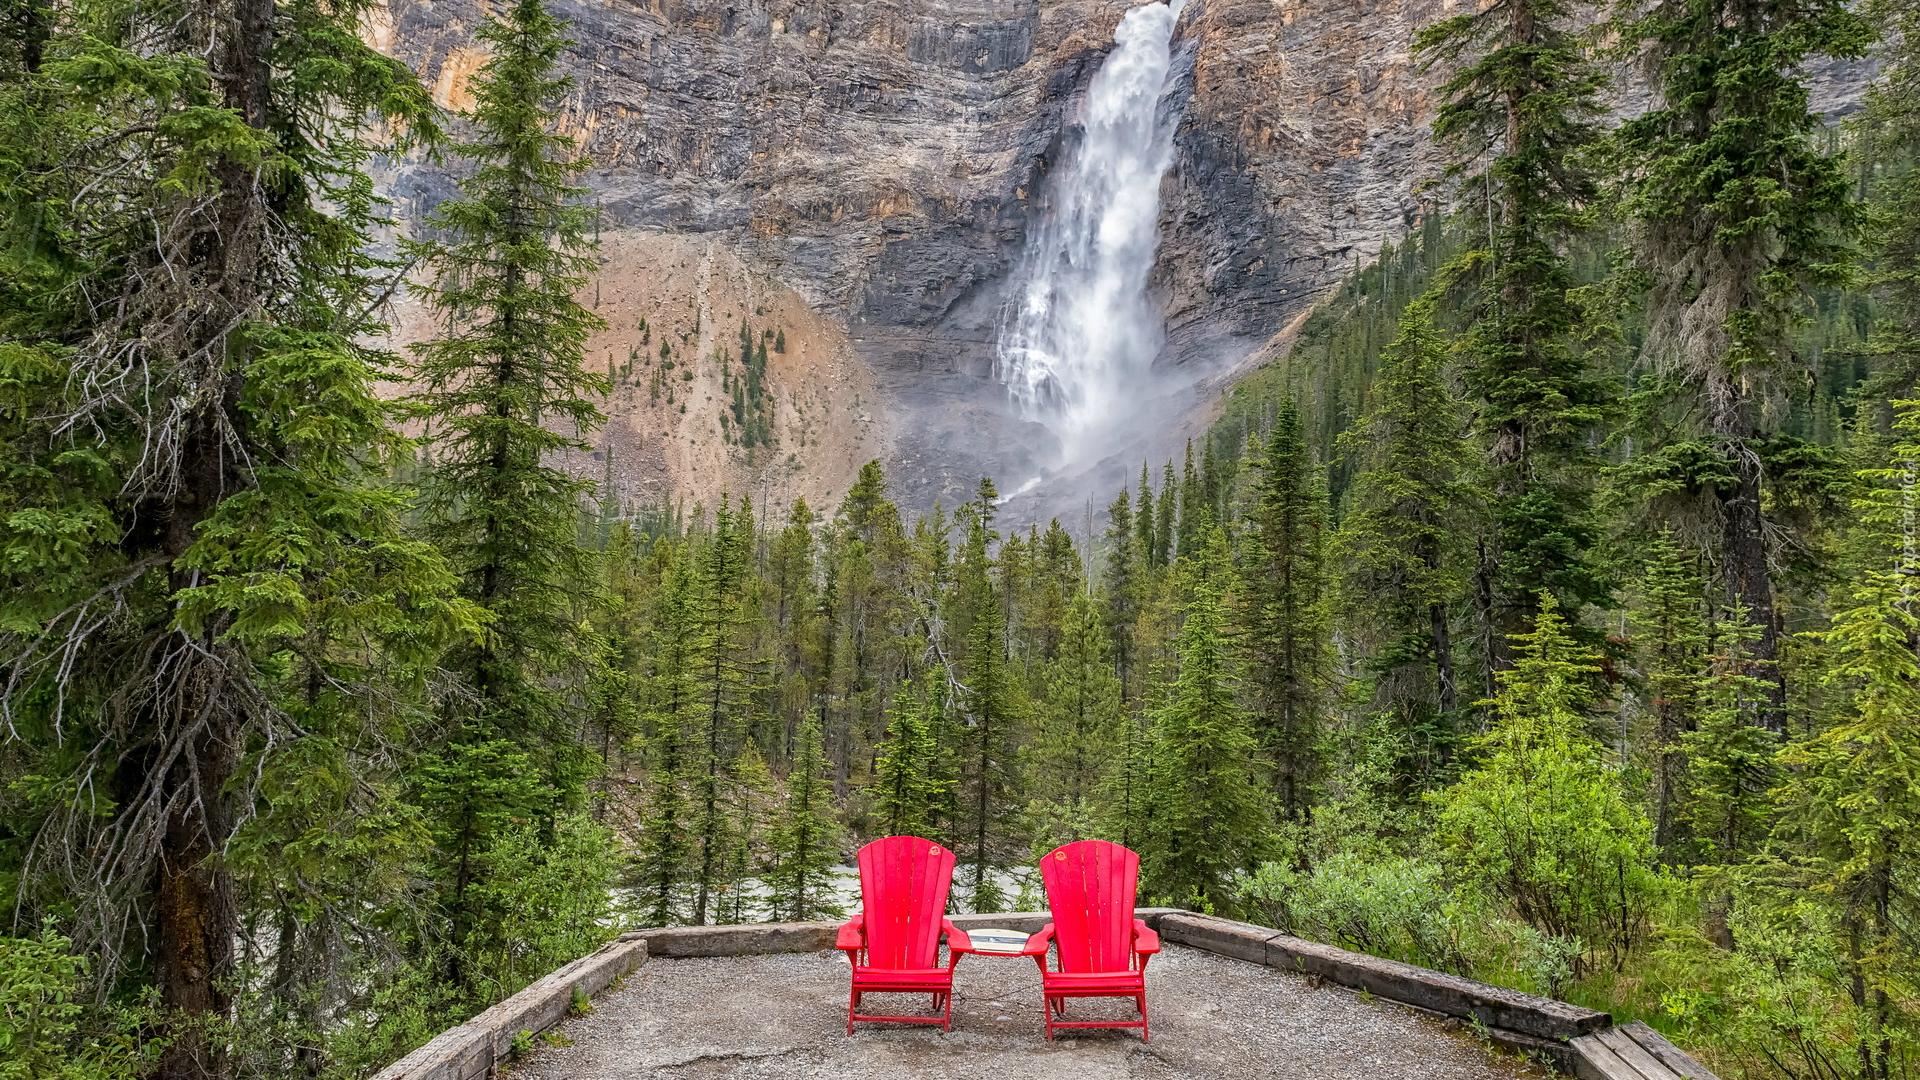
{"type": "Point", "coordinates": [785, 1016]}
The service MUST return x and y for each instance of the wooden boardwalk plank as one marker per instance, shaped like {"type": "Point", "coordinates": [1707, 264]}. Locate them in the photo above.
{"type": "Point", "coordinates": [1670, 1055]}
{"type": "Point", "coordinates": [1599, 1062]}
{"type": "Point", "coordinates": [1636, 1055]}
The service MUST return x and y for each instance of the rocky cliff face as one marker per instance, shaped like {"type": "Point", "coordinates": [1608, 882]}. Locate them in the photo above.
{"type": "Point", "coordinates": [862, 172]}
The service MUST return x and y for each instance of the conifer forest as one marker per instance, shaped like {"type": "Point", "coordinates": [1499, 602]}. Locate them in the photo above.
{"type": "Point", "coordinates": [1549, 613]}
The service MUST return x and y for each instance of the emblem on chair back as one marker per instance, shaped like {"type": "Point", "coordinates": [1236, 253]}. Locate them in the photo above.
{"type": "Point", "coordinates": [903, 896]}
{"type": "Point", "coordinates": [1090, 887]}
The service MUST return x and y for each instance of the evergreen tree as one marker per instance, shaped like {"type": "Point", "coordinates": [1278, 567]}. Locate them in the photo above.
{"type": "Point", "coordinates": [1080, 711]}
{"type": "Point", "coordinates": [1540, 823]}
{"type": "Point", "coordinates": [1519, 107]}
{"type": "Point", "coordinates": [991, 703]}
{"type": "Point", "coordinates": [660, 866]}
{"type": "Point", "coordinates": [509, 364]}
{"type": "Point", "coordinates": [1283, 613]}
{"type": "Point", "coordinates": [749, 806]}
{"type": "Point", "coordinates": [1193, 510]}
{"type": "Point", "coordinates": [1890, 130]}
{"type": "Point", "coordinates": [1851, 803]}
{"type": "Point", "coordinates": [1120, 584]}
{"type": "Point", "coordinates": [1738, 211]}
{"type": "Point", "coordinates": [1211, 817]}
{"type": "Point", "coordinates": [726, 675]}
{"type": "Point", "coordinates": [1163, 534]}
{"type": "Point", "coordinates": [793, 612]}
{"type": "Point", "coordinates": [806, 839]}
{"type": "Point", "coordinates": [1145, 522]}
{"type": "Point", "coordinates": [913, 780]}
{"type": "Point", "coordinates": [1723, 809]}
{"type": "Point", "coordinates": [1399, 545]}
{"type": "Point", "coordinates": [1671, 634]}
{"type": "Point", "coordinates": [195, 562]}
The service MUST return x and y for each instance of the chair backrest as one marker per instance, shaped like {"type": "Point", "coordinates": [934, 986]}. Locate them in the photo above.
{"type": "Point", "coordinates": [1090, 891]}
{"type": "Point", "coordinates": [903, 895]}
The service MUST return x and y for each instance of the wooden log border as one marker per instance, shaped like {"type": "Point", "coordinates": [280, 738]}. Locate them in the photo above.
{"type": "Point", "coordinates": [470, 1051]}
{"type": "Point", "coordinates": [1566, 1035]}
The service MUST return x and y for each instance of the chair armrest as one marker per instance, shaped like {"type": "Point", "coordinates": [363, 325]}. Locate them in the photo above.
{"type": "Point", "coordinates": [1037, 944]}
{"type": "Point", "coordinates": [1144, 939]}
{"type": "Point", "coordinates": [957, 939]}
{"type": "Point", "coordinates": [853, 934]}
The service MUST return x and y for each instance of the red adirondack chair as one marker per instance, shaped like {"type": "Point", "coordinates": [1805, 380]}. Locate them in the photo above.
{"type": "Point", "coordinates": [894, 943]}
{"type": "Point", "coordinates": [1102, 948]}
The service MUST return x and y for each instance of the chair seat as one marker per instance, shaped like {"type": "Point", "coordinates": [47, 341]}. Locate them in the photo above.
{"type": "Point", "coordinates": [909, 979]}
{"type": "Point", "coordinates": [1095, 982]}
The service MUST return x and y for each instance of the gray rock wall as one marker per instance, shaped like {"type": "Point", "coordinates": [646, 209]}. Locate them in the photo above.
{"type": "Point", "coordinates": [881, 157]}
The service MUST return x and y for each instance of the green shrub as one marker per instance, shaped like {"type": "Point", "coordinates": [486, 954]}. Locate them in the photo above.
{"type": "Point", "coordinates": [1542, 827]}
{"type": "Point", "coordinates": [1396, 907]}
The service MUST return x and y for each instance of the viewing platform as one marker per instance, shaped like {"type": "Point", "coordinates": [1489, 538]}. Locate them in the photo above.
{"type": "Point", "coordinates": [1230, 1001]}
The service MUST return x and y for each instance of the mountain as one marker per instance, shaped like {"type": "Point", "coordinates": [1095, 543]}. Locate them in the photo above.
{"type": "Point", "coordinates": [859, 179]}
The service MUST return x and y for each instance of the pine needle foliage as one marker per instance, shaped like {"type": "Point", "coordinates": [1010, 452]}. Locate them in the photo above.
{"type": "Point", "coordinates": [507, 371]}
{"type": "Point", "coordinates": [1400, 543]}
{"type": "Point", "coordinates": [202, 582]}
{"type": "Point", "coordinates": [913, 781]}
{"type": "Point", "coordinates": [1738, 211]}
{"type": "Point", "coordinates": [1282, 598]}
{"type": "Point", "coordinates": [806, 837]}
{"type": "Point", "coordinates": [1518, 115]}
{"type": "Point", "coordinates": [1211, 815]}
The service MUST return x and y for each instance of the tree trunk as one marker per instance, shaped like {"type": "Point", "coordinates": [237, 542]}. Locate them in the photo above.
{"type": "Point", "coordinates": [1749, 584]}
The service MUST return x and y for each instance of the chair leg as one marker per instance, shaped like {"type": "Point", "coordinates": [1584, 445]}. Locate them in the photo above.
{"type": "Point", "coordinates": [1143, 1018]}
{"type": "Point", "coordinates": [946, 1017]}
{"type": "Point", "coordinates": [853, 1006]}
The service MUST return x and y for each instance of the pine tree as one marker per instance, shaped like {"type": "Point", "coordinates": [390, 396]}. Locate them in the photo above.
{"type": "Point", "coordinates": [1851, 803]}
{"type": "Point", "coordinates": [1164, 551]}
{"type": "Point", "coordinates": [749, 806]}
{"type": "Point", "coordinates": [1211, 815]}
{"type": "Point", "coordinates": [1193, 510]}
{"type": "Point", "coordinates": [1723, 809]}
{"type": "Point", "coordinates": [1079, 712]}
{"type": "Point", "coordinates": [1671, 635]}
{"type": "Point", "coordinates": [1120, 584]}
{"type": "Point", "coordinates": [1890, 133]}
{"type": "Point", "coordinates": [510, 363]}
{"type": "Point", "coordinates": [661, 859]}
{"type": "Point", "coordinates": [913, 780]}
{"type": "Point", "coordinates": [1517, 114]}
{"type": "Point", "coordinates": [1144, 527]}
{"type": "Point", "coordinates": [1399, 545]}
{"type": "Point", "coordinates": [1541, 823]}
{"type": "Point", "coordinates": [794, 616]}
{"type": "Point", "coordinates": [726, 675]}
{"type": "Point", "coordinates": [806, 839]}
{"type": "Point", "coordinates": [1738, 212]}
{"type": "Point", "coordinates": [198, 560]}
{"type": "Point", "coordinates": [990, 702]}
{"type": "Point", "coordinates": [1282, 612]}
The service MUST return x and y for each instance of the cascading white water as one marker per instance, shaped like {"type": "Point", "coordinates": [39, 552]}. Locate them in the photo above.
{"type": "Point", "coordinates": [1078, 340]}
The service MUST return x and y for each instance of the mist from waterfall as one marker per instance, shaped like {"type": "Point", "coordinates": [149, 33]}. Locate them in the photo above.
{"type": "Point", "coordinates": [1079, 337]}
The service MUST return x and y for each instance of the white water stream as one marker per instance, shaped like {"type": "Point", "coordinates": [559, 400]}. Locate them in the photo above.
{"type": "Point", "coordinates": [1079, 337]}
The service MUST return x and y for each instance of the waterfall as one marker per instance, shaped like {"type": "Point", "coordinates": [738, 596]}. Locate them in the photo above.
{"type": "Point", "coordinates": [1079, 337]}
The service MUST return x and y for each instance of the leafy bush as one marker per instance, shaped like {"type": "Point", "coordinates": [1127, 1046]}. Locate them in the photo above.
{"type": "Point", "coordinates": [1396, 907]}
{"type": "Point", "coordinates": [1542, 827]}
